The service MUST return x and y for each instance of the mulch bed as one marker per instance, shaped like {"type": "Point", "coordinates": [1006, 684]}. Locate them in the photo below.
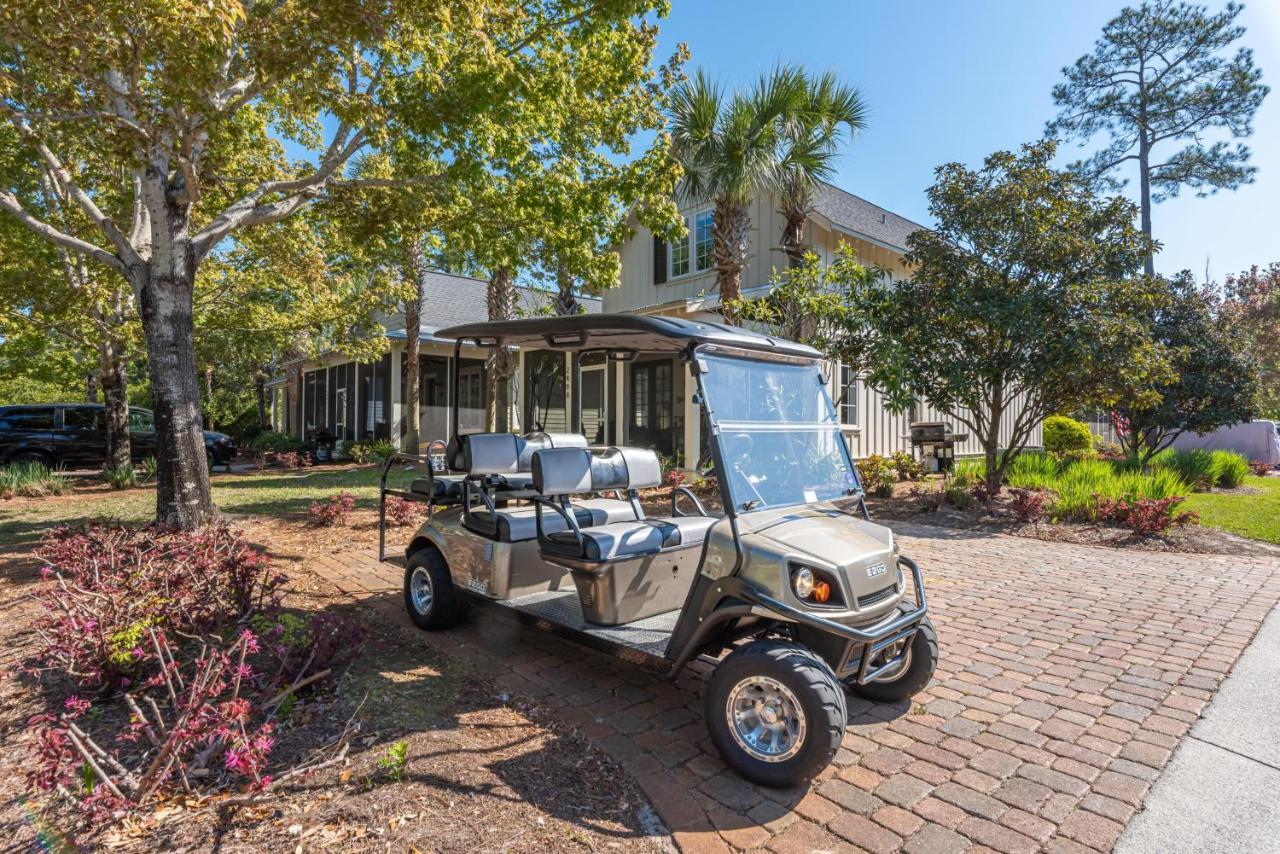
{"type": "Point", "coordinates": [483, 771]}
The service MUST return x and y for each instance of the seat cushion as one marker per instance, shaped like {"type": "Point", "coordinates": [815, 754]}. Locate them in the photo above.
{"type": "Point", "coordinates": [448, 487]}
{"type": "Point", "coordinates": [606, 510]}
{"type": "Point", "coordinates": [521, 523]}
{"type": "Point", "coordinates": [684, 530]}
{"type": "Point", "coordinates": [629, 539]}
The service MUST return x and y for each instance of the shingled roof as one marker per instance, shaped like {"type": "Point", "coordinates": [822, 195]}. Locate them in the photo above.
{"type": "Point", "coordinates": [859, 216]}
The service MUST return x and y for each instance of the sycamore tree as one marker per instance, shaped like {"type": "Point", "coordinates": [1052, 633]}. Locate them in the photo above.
{"type": "Point", "coordinates": [189, 100]}
{"type": "Point", "coordinates": [56, 300]}
{"type": "Point", "coordinates": [1023, 303]}
{"type": "Point", "coordinates": [1161, 84]}
{"type": "Point", "coordinates": [1211, 386]}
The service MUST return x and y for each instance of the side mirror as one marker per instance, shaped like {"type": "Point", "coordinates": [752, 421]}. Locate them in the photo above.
{"type": "Point", "coordinates": [697, 398]}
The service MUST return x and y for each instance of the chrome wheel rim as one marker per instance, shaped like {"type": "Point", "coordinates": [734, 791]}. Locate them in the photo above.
{"type": "Point", "coordinates": [420, 590]}
{"type": "Point", "coordinates": [765, 718]}
{"type": "Point", "coordinates": [891, 653]}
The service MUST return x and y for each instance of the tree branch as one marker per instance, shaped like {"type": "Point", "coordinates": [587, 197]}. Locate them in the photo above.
{"type": "Point", "coordinates": [11, 204]}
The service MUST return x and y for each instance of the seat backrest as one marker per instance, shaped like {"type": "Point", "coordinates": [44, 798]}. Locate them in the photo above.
{"type": "Point", "coordinates": [507, 453]}
{"type": "Point", "coordinates": [573, 471]}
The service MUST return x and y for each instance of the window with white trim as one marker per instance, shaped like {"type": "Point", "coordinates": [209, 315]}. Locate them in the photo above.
{"type": "Point", "coordinates": [696, 252]}
{"type": "Point", "coordinates": [847, 396]}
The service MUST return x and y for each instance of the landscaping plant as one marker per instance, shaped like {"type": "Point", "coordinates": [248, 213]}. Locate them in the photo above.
{"type": "Point", "coordinates": [334, 512]}
{"type": "Point", "coordinates": [1146, 515]}
{"type": "Point", "coordinates": [1229, 469]}
{"type": "Point", "coordinates": [906, 466]}
{"type": "Point", "coordinates": [402, 511]}
{"type": "Point", "coordinates": [1063, 435]}
{"type": "Point", "coordinates": [876, 473]}
{"type": "Point", "coordinates": [120, 477]}
{"type": "Point", "coordinates": [31, 480]}
{"type": "Point", "coordinates": [1259, 468]}
{"type": "Point", "coordinates": [1029, 506]}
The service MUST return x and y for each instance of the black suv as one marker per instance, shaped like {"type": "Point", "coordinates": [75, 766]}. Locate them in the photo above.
{"type": "Point", "coordinates": [74, 436]}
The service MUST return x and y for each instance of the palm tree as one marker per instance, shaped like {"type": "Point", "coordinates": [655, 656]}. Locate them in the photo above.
{"type": "Point", "coordinates": [728, 148]}
{"type": "Point", "coordinates": [811, 139]}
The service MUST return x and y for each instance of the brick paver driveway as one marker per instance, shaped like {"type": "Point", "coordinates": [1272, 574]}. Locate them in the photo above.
{"type": "Point", "coordinates": [1068, 676]}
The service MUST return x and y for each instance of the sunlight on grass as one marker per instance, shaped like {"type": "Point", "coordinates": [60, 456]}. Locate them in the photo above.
{"type": "Point", "coordinates": [268, 493]}
{"type": "Point", "coordinates": [1254, 516]}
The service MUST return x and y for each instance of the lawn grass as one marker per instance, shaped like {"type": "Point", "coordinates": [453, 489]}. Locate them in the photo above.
{"type": "Point", "coordinates": [265, 493]}
{"type": "Point", "coordinates": [1249, 515]}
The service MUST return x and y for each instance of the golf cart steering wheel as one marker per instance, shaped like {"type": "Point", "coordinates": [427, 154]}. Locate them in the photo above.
{"type": "Point", "coordinates": [739, 448]}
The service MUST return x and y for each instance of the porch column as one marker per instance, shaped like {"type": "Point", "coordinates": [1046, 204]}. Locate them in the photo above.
{"type": "Point", "coordinates": [397, 380]}
{"type": "Point", "coordinates": [692, 422]}
{"type": "Point", "coordinates": [622, 419]}
{"type": "Point", "coordinates": [517, 393]}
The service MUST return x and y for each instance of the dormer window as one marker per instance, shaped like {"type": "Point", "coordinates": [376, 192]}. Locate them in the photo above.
{"type": "Point", "coordinates": [694, 254]}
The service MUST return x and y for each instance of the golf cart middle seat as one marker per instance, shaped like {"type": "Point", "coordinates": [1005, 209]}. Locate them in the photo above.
{"type": "Point", "coordinates": [497, 466]}
{"type": "Point", "coordinates": [444, 488]}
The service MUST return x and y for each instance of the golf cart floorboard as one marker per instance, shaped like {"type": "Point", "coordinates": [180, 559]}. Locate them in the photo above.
{"type": "Point", "coordinates": [560, 612]}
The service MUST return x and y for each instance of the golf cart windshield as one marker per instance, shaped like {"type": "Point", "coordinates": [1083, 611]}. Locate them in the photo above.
{"type": "Point", "coordinates": [777, 432]}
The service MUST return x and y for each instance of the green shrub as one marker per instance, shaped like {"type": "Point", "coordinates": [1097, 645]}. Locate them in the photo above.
{"type": "Point", "coordinates": [272, 440]}
{"type": "Point", "coordinates": [31, 480]}
{"type": "Point", "coordinates": [906, 466]}
{"type": "Point", "coordinates": [968, 472]}
{"type": "Point", "coordinates": [1063, 435]}
{"type": "Point", "coordinates": [120, 477]}
{"type": "Point", "coordinates": [1196, 468]}
{"type": "Point", "coordinates": [381, 450]}
{"type": "Point", "coordinates": [147, 469]}
{"type": "Point", "coordinates": [1229, 469]}
{"type": "Point", "coordinates": [876, 473]}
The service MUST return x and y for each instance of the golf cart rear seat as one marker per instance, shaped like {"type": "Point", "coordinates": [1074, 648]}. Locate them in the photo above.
{"type": "Point", "coordinates": [447, 488]}
{"type": "Point", "coordinates": [497, 466]}
{"type": "Point", "coordinates": [561, 473]}
{"type": "Point", "coordinates": [624, 571]}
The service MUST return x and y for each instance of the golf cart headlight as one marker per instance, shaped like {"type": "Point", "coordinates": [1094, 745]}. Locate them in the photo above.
{"type": "Point", "coordinates": [802, 581]}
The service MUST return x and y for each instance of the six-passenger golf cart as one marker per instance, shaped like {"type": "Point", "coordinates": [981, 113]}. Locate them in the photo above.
{"type": "Point", "coordinates": [792, 580]}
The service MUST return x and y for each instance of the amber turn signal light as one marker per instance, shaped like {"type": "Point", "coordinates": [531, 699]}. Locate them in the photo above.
{"type": "Point", "coordinates": [821, 591]}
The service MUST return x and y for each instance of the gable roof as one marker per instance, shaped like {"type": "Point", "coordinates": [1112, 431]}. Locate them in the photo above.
{"type": "Point", "coordinates": [452, 299]}
{"type": "Point", "coordinates": [860, 217]}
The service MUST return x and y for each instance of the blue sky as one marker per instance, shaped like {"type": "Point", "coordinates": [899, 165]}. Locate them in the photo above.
{"type": "Point", "coordinates": [950, 80]}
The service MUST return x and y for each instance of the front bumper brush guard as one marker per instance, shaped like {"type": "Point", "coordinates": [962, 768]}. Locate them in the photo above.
{"type": "Point", "coordinates": [862, 644]}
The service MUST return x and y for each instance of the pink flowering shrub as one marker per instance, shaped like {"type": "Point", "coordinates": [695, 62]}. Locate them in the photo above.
{"type": "Point", "coordinates": [402, 511]}
{"type": "Point", "coordinates": [106, 585]}
{"type": "Point", "coordinates": [334, 512]}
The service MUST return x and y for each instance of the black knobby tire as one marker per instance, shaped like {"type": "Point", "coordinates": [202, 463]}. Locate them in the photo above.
{"type": "Point", "coordinates": [447, 606]}
{"type": "Point", "coordinates": [924, 660]}
{"type": "Point", "coordinates": [813, 684]}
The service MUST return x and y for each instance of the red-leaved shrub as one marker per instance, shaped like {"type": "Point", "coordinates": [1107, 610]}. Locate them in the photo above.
{"type": "Point", "coordinates": [106, 585]}
{"type": "Point", "coordinates": [402, 511]}
{"type": "Point", "coordinates": [676, 477]}
{"type": "Point", "coordinates": [1146, 515]}
{"type": "Point", "coordinates": [1259, 467]}
{"type": "Point", "coordinates": [1028, 505]}
{"type": "Point", "coordinates": [336, 511]}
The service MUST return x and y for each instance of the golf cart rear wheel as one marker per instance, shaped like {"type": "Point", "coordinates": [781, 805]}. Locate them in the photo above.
{"type": "Point", "coordinates": [776, 712]}
{"type": "Point", "coordinates": [429, 595]}
{"type": "Point", "coordinates": [909, 679]}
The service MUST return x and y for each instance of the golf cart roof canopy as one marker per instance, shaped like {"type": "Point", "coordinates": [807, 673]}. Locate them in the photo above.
{"type": "Point", "coordinates": [620, 334]}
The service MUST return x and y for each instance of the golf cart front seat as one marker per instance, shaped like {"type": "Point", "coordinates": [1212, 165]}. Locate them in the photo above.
{"type": "Point", "coordinates": [447, 488]}
{"type": "Point", "coordinates": [624, 571]}
{"type": "Point", "coordinates": [496, 467]}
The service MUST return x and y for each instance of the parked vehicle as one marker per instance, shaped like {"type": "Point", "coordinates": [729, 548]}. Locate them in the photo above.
{"type": "Point", "coordinates": [1258, 441]}
{"type": "Point", "coordinates": [792, 592]}
{"type": "Point", "coordinates": [74, 436]}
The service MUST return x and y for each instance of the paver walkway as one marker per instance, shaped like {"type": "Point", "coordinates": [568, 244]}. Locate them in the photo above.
{"type": "Point", "coordinates": [1068, 676]}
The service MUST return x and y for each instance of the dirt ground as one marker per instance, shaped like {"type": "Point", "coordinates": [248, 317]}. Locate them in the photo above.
{"type": "Point", "coordinates": [1195, 539]}
{"type": "Point", "coordinates": [483, 772]}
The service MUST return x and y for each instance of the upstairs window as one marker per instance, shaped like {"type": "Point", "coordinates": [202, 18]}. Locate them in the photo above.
{"type": "Point", "coordinates": [847, 396]}
{"type": "Point", "coordinates": [680, 255]}
{"type": "Point", "coordinates": [704, 251]}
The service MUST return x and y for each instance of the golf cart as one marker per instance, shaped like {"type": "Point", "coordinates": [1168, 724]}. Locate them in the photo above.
{"type": "Point", "coordinates": [791, 590]}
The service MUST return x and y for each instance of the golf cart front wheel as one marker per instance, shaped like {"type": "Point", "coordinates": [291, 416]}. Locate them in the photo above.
{"type": "Point", "coordinates": [429, 595]}
{"type": "Point", "coordinates": [920, 659]}
{"type": "Point", "coordinates": [776, 712]}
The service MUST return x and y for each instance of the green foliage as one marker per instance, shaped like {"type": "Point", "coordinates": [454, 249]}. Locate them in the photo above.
{"type": "Point", "coordinates": [906, 466]}
{"type": "Point", "coordinates": [147, 469]}
{"type": "Point", "coordinates": [394, 761]}
{"type": "Point", "coordinates": [876, 473]}
{"type": "Point", "coordinates": [1063, 434]}
{"type": "Point", "coordinates": [272, 440]}
{"type": "Point", "coordinates": [1249, 306]}
{"type": "Point", "coordinates": [31, 480]}
{"type": "Point", "coordinates": [1211, 385]}
{"type": "Point", "coordinates": [1229, 469]}
{"type": "Point", "coordinates": [380, 450]}
{"type": "Point", "coordinates": [120, 477]}
{"type": "Point", "coordinates": [1022, 302]}
{"type": "Point", "coordinates": [1033, 471]}
{"type": "Point", "coordinates": [1160, 77]}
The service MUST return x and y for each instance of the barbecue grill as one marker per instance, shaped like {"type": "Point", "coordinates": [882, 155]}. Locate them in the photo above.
{"type": "Point", "coordinates": [936, 442]}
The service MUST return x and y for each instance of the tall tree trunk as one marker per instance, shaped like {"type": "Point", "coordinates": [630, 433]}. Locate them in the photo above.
{"type": "Point", "coordinates": [566, 300]}
{"type": "Point", "coordinates": [991, 447]}
{"type": "Point", "coordinates": [111, 369]}
{"type": "Point", "coordinates": [415, 268]}
{"type": "Point", "coordinates": [501, 298]}
{"type": "Point", "coordinates": [91, 387]}
{"type": "Point", "coordinates": [729, 235]}
{"type": "Point", "coordinates": [1144, 179]}
{"type": "Point", "coordinates": [797, 201]}
{"type": "Point", "coordinates": [260, 395]}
